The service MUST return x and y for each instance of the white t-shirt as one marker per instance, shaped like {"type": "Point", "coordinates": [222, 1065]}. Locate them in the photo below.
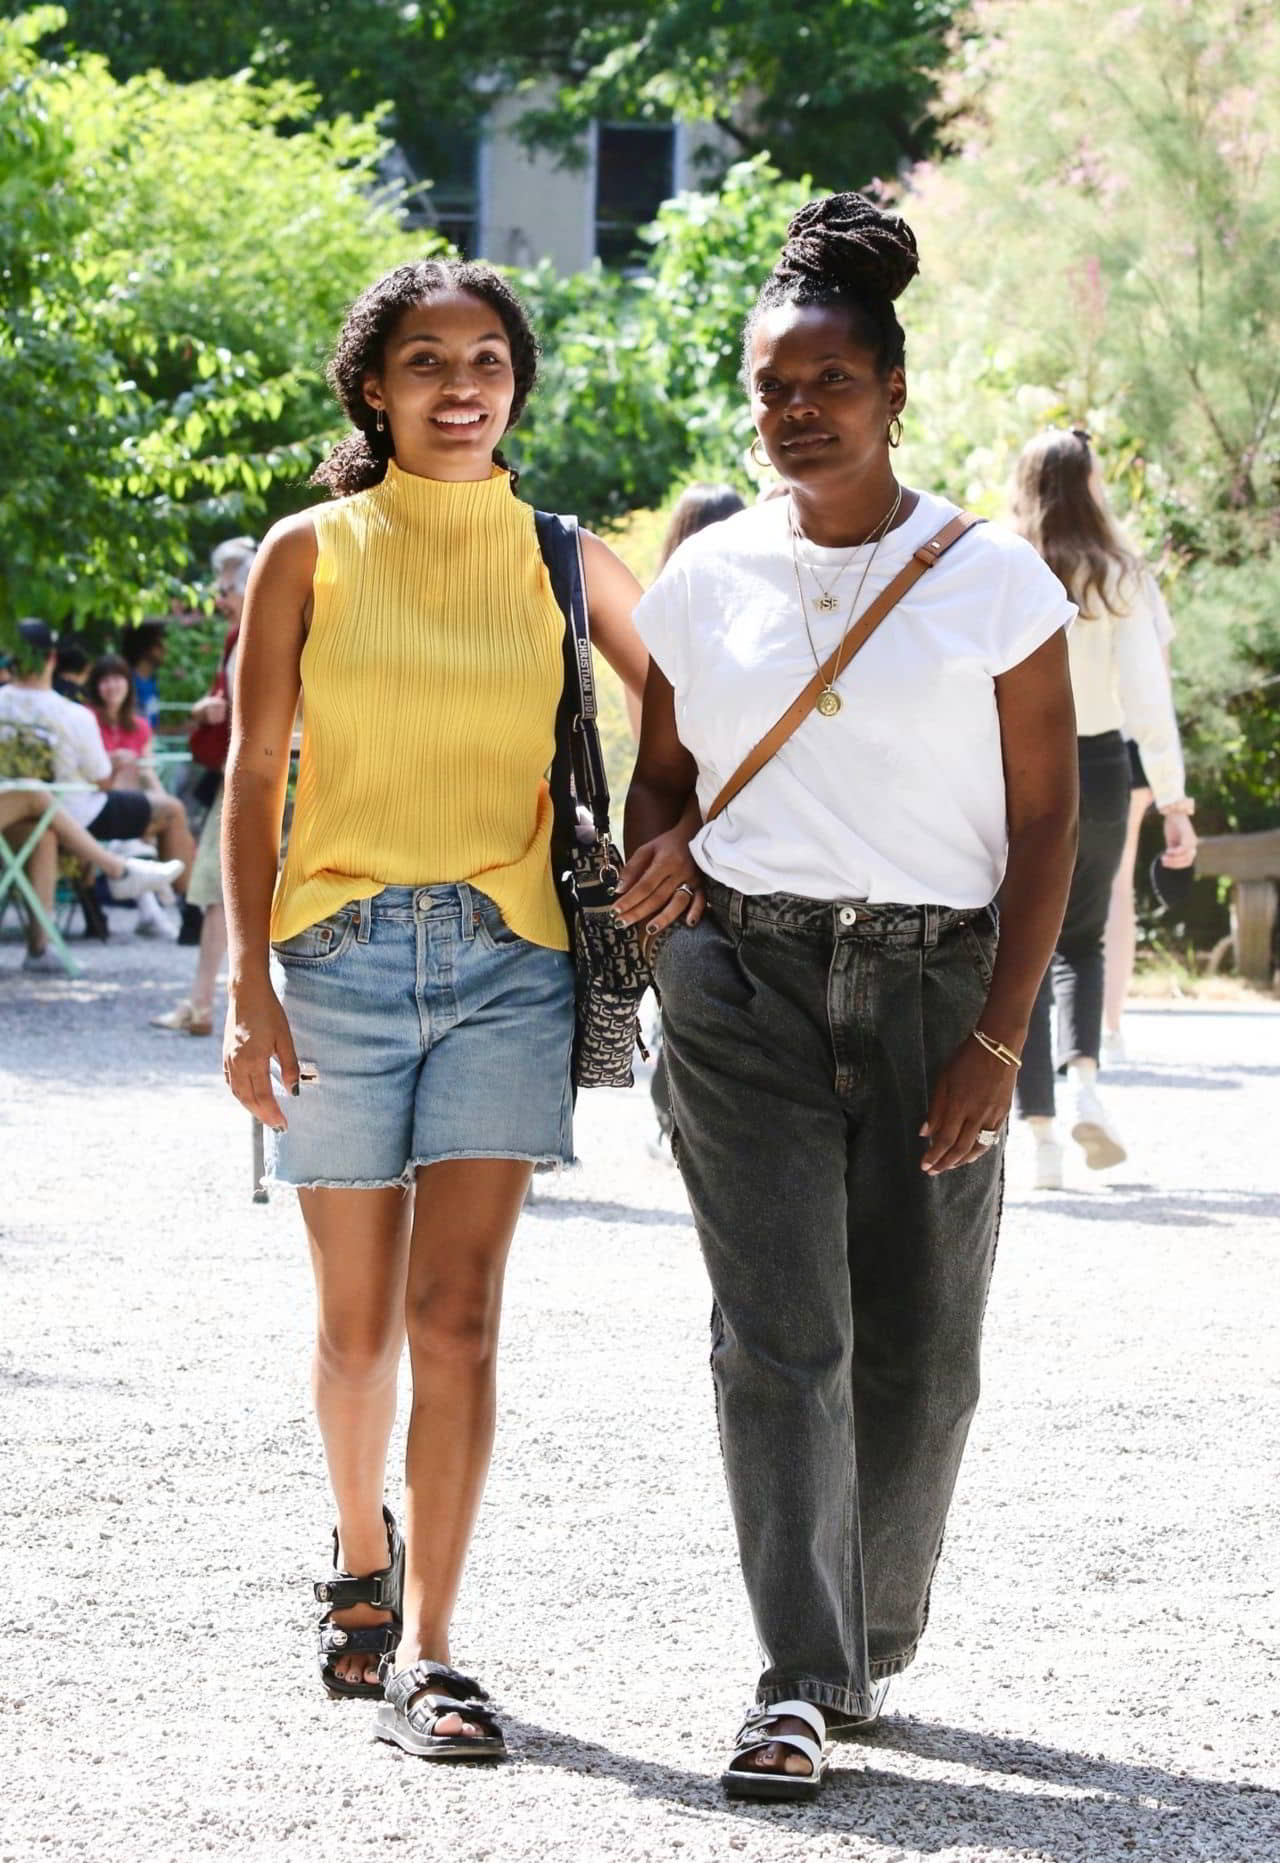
{"type": "Point", "coordinates": [899, 797]}
{"type": "Point", "coordinates": [79, 755]}
{"type": "Point", "coordinates": [1121, 683]}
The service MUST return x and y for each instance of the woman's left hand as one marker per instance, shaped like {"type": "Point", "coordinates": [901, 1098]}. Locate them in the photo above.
{"type": "Point", "coordinates": [973, 1094]}
{"type": "Point", "coordinates": [661, 884]}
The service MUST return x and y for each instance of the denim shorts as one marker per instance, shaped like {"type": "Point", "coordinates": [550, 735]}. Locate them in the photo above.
{"type": "Point", "coordinates": [434, 1032]}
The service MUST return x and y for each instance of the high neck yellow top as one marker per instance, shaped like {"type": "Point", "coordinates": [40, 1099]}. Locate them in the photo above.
{"type": "Point", "coordinates": [431, 675]}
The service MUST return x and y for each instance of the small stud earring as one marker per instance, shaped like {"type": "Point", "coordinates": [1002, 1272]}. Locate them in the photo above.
{"type": "Point", "coordinates": [381, 422]}
{"type": "Point", "coordinates": [894, 433]}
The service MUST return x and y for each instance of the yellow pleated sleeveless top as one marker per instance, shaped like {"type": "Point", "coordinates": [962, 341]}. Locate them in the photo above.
{"type": "Point", "coordinates": [430, 679]}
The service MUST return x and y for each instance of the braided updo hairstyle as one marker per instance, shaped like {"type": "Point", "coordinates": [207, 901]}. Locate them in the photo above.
{"type": "Point", "coordinates": [846, 252]}
{"type": "Point", "coordinates": [360, 460]}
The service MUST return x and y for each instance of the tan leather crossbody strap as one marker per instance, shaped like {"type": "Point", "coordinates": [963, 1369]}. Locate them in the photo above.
{"type": "Point", "coordinates": [925, 557]}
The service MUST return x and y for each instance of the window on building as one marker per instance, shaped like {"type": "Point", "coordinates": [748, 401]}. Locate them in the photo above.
{"type": "Point", "coordinates": [449, 162]}
{"type": "Point", "coordinates": [635, 173]}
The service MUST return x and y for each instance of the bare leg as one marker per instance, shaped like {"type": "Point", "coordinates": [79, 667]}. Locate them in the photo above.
{"type": "Point", "coordinates": [359, 1250]}
{"type": "Point", "coordinates": [173, 836]}
{"type": "Point", "coordinates": [42, 871]}
{"type": "Point", "coordinates": [28, 805]}
{"type": "Point", "coordinates": [465, 1216]}
{"type": "Point", "coordinates": [213, 948]}
{"type": "Point", "coordinates": [1121, 939]}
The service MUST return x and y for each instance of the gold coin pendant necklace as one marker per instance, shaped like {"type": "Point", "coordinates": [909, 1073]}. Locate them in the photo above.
{"type": "Point", "coordinates": [829, 700]}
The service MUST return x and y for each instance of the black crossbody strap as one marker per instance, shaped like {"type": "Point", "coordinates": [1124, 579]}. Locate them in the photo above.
{"type": "Point", "coordinates": [577, 771]}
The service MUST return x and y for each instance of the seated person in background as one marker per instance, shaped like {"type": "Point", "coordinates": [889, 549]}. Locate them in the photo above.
{"type": "Point", "coordinates": [126, 735]}
{"type": "Point", "coordinates": [109, 694]}
{"type": "Point", "coordinates": [30, 704]}
{"type": "Point", "coordinates": [71, 669]}
{"type": "Point", "coordinates": [143, 650]}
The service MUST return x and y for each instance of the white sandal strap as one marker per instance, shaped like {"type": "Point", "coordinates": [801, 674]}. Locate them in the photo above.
{"type": "Point", "coordinates": [805, 1711]}
{"type": "Point", "coordinates": [754, 1734]}
{"type": "Point", "coordinates": [800, 1742]}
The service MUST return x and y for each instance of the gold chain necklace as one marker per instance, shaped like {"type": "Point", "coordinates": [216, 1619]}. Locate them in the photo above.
{"type": "Point", "coordinates": [829, 700]}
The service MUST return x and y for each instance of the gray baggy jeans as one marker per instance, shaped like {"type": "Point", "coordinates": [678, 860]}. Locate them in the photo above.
{"type": "Point", "coordinates": [802, 1041]}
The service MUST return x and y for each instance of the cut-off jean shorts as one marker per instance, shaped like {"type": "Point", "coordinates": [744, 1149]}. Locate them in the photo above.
{"type": "Point", "coordinates": [433, 1032]}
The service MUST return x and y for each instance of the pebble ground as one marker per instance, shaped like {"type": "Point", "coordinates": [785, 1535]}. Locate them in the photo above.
{"type": "Point", "coordinates": [1099, 1681]}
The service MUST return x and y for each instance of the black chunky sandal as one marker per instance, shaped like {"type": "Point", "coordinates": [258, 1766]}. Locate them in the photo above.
{"type": "Point", "coordinates": [383, 1590]}
{"type": "Point", "coordinates": [411, 1724]}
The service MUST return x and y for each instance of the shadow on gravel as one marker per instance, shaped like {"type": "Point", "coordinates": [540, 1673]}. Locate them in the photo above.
{"type": "Point", "coordinates": [15, 1378]}
{"type": "Point", "coordinates": [1187, 1209]}
{"type": "Point", "coordinates": [1099, 1808]}
{"type": "Point", "coordinates": [591, 1211]}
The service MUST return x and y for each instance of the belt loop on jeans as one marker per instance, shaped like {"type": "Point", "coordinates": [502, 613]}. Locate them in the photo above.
{"type": "Point", "coordinates": [929, 916]}
{"type": "Point", "coordinates": [738, 911]}
{"type": "Point", "coordinates": [465, 896]}
{"type": "Point", "coordinates": [366, 921]}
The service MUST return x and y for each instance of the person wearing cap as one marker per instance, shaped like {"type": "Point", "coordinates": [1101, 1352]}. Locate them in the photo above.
{"type": "Point", "coordinates": [31, 709]}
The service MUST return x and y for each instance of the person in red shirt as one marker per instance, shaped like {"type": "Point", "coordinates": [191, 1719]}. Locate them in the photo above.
{"type": "Point", "coordinates": [111, 697]}
{"type": "Point", "coordinates": [125, 733]}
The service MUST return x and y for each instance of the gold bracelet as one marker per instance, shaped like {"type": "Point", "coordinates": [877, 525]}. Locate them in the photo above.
{"type": "Point", "coordinates": [998, 1049]}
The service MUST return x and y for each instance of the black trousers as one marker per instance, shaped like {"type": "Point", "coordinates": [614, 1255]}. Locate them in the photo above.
{"type": "Point", "coordinates": [1074, 979]}
{"type": "Point", "coordinates": [803, 1040]}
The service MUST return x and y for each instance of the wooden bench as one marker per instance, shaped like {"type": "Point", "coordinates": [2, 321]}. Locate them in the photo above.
{"type": "Point", "coordinates": [1252, 861]}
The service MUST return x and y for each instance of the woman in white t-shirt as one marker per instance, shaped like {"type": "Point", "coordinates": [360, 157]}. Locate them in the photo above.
{"type": "Point", "coordinates": [1119, 682]}
{"type": "Point", "coordinates": [842, 1035]}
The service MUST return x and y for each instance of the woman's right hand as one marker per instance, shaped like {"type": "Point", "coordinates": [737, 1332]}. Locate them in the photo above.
{"type": "Point", "coordinates": [1179, 839]}
{"type": "Point", "coordinates": [210, 710]}
{"type": "Point", "coordinates": [257, 1030]}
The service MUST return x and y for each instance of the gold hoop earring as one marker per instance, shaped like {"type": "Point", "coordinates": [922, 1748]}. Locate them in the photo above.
{"type": "Point", "coordinates": [894, 439]}
{"type": "Point", "coordinates": [381, 422]}
{"type": "Point", "coordinates": [762, 463]}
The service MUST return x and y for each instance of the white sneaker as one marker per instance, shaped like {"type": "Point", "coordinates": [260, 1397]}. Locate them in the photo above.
{"type": "Point", "coordinates": [151, 921]}
{"type": "Point", "coordinates": [144, 876]}
{"type": "Point", "coordinates": [1047, 1173]}
{"type": "Point", "coordinates": [1093, 1131]}
{"type": "Point", "coordinates": [1113, 1049]}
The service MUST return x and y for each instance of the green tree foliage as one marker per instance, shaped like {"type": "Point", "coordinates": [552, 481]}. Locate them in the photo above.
{"type": "Point", "coordinates": [640, 386]}
{"type": "Point", "coordinates": [842, 89]}
{"type": "Point", "coordinates": [1110, 229]}
{"type": "Point", "coordinates": [176, 261]}
{"type": "Point", "coordinates": [1103, 248]}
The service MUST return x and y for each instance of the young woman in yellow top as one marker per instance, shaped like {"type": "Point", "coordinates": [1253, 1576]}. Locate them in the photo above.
{"type": "Point", "coordinates": [421, 1012]}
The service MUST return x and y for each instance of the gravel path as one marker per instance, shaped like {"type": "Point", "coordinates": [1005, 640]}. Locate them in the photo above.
{"type": "Point", "coordinates": [1100, 1680]}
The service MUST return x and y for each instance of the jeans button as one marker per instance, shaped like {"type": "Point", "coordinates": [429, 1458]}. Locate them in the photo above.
{"type": "Point", "coordinates": [848, 916]}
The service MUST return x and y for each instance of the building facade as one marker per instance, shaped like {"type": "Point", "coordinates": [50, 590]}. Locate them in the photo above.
{"type": "Point", "coordinates": [496, 200]}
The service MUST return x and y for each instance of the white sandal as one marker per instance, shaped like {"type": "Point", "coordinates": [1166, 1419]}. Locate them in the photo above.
{"type": "Point", "coordinates": [741, 1781]}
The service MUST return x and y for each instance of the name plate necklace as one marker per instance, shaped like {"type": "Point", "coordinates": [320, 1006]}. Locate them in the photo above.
{"type": "Point", "coordinates": [829, 700]}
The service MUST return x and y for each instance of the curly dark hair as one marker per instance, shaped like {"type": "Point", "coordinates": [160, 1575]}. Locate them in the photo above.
{"type": "Point", "coordinates": [846, 252]}
{"type": "Point", "coordinates": [360, 460]}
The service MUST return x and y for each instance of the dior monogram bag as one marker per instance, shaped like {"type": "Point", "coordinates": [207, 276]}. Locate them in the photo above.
{"type": "Point", "coordinates": [611, 968]}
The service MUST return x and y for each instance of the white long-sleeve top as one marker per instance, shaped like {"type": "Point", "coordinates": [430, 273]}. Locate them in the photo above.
{"type": "Point", "coordinates": [1121, 683]}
